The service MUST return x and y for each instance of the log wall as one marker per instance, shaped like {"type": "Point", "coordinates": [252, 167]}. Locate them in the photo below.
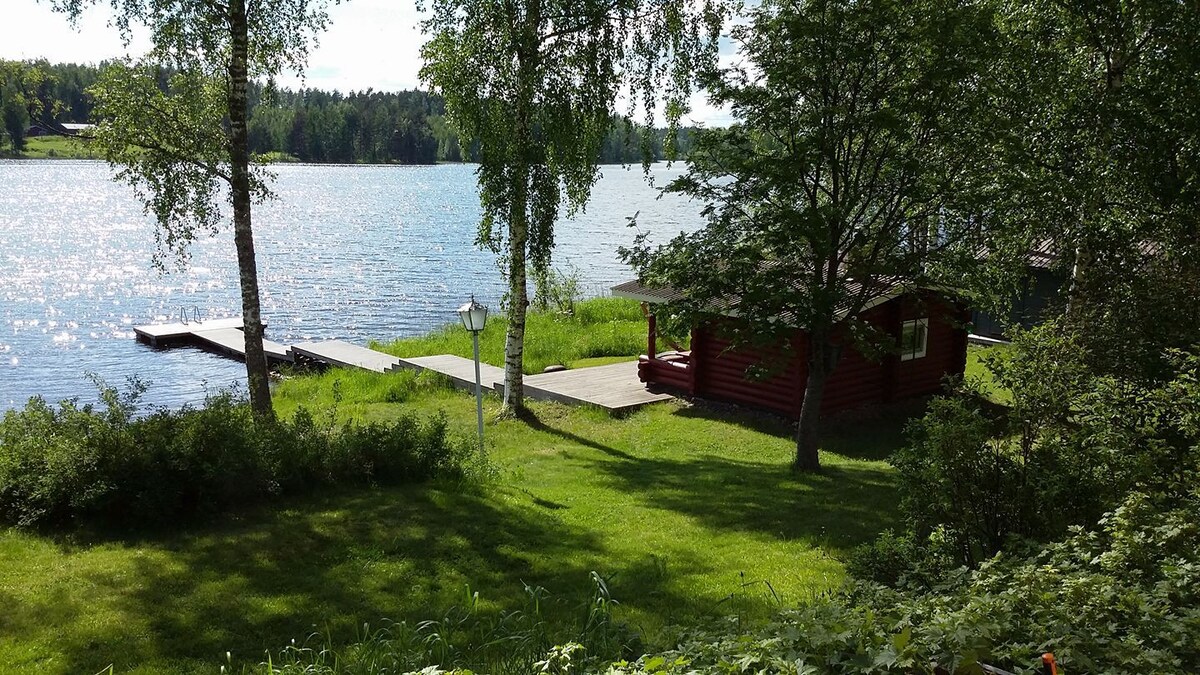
{"type": "Point", "coordinates": [719, 372]}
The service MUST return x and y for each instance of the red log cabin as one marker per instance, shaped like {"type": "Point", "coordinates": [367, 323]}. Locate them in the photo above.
{"type": "Point", "coordinates": [931, 328]}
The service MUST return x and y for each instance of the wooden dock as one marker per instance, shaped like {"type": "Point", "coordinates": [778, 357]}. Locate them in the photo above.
{"type": "Point", "coordinates": [232, 342]}
{"type": "Point", "coordinates": [615, 387]}
{"type": "Point", "coordinates": [160, 334]}
{"type": "Point", "coordinates": [461, 371]}
{"type": "Point", "coordinates": [338, 353]}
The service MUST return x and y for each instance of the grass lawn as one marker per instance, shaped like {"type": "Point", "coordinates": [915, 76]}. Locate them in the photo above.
{"type": "Point", "coordinates": [689, 510]}
{"type": "Point", "coordinates": [60, 147]}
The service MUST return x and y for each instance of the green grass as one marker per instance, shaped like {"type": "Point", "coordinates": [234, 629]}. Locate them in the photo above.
{"type": "Point", "coordinates": [602, 328]}
{"type": "Point", "coordinates": [977, 371]}
{"type": "Point", "coordinates": [57, 147]}
{"type": "Point", "coordinates": [691, 510]}
{"type": "Point", "coordinates": [680, 505]}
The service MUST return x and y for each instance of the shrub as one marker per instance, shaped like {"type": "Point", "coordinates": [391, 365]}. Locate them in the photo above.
{"type": "Point", "coordinates": [103, 464]}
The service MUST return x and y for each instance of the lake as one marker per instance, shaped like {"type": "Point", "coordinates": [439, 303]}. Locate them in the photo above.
{"type": "Point", "coordinates": [344, 252]}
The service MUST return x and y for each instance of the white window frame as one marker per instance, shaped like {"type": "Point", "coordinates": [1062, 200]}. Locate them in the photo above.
{"type": "Point", "coordinates": [920, 349]}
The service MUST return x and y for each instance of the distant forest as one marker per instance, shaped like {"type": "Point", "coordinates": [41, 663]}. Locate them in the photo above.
{"type": "Point", "coordinates": [308, 125]}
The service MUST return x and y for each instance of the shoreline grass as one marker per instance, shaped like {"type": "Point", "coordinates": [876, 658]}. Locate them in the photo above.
{"type": "Point", "coordinates": [602, 328]}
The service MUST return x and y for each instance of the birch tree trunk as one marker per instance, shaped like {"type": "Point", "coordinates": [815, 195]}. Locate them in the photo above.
{"type": "Point", "coordinates": [518, 296]}
{"type": "Point", "coordinates": [243, 235]}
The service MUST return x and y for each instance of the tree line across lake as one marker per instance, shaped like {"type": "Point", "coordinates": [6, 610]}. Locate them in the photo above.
{"type": "Point", "coordinates": [306, 125]}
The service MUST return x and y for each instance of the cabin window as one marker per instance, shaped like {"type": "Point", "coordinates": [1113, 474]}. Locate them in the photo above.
{"type": "Point", "coordinates": [914, 338]}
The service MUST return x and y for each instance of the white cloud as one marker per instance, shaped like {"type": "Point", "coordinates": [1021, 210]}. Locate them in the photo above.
{"type": "Point", "coordinates": [32, 30]}
{"type": "Point", "coordinates": [370, 44]}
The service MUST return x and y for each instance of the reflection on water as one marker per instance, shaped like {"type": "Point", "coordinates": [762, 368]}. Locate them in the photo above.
{"type": "Point", "coordinates": [353, 253]}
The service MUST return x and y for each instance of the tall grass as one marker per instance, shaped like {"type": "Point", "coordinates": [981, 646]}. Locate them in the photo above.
{"type": "Point", "coordinates": [600, 327]}
{"type": "Point", "coordinates": [542, 637]}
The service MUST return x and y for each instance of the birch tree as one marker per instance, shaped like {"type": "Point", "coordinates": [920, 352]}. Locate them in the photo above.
{"type": "Point", "coordinates": [184, 147]}
{"type": "Point", "coordinates": [535, 84]}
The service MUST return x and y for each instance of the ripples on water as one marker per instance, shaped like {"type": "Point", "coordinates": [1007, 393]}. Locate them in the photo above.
{"type": "Point", "coordinates": [351, 253]}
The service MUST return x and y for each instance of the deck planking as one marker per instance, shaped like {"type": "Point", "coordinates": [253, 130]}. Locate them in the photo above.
{"type": "Point", "coordinates": [167, 332]}
{"type": "Point", "coordinates": [461, 371]}
{"type": "Point", "coordinates": [232, 341]}
{"type": "Point", "coordinates": [614, 387]}
{"type": "Point", "coordinates": [338, 353]}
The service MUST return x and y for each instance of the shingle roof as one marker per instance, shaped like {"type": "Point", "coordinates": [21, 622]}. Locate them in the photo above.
{"type": "Point", "coordinates": [635, 290]}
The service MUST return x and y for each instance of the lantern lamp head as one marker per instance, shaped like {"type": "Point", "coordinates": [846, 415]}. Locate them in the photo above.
{"type": "Point", "coordinates": [473, 315]}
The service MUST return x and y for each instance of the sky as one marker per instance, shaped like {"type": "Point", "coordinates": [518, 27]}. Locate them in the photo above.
{"type": "Point", "coordinates": [370, 44]}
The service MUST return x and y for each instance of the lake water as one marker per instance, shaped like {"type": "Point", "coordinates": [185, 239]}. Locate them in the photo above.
{"type": "Point", "coordinates": [345, 252]}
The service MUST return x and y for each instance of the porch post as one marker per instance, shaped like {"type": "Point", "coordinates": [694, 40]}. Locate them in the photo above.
{"type": "Point", "coordinates": [652, 338]}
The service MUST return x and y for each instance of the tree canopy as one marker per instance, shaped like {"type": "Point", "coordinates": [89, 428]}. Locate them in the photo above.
{"type": "Point", "coordinates": [181, 146]}
{"type": "Point", "coordinates": [857, 166]}
{"type": "Point", "coordinates": [534, 85]}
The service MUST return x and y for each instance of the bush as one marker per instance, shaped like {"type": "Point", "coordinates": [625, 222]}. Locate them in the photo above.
{"type": "Point", "coordinates": [885, 560]}
{"type": "Point", "coordinates": [105, 465]}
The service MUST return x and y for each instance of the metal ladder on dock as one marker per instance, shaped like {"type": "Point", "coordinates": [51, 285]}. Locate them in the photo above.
{"type": "Point", "coordinates": [195, 316]}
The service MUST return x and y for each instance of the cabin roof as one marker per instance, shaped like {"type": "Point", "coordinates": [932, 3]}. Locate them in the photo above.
{"type": "Point", "coordinates": [886, 290]}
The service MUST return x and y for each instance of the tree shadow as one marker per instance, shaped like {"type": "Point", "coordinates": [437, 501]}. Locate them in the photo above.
{"type": "Point", "coordinates": [841, 507]}
{"type": "Point", "coordinates": [324, 564]}
{"type": "Point", "coordinates": [531, 419]}
{"type": "Point", "coordinates": [870, 433]}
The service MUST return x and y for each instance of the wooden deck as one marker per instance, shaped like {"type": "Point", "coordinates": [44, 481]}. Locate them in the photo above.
{"type": "Point", "coordinates": [159, 333]}
{"type": "Point", "coordinates": [338, 353]}
{"type": "Point", "coordinates": [614, 387]}
{"type": "Point", "coordinates": [461, 371]}
{"type": "Point", "coordinates": [232, 342]}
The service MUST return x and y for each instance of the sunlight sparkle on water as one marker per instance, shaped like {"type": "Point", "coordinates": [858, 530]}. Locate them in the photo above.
{"type": "Point", "coordinates": [352, 253]}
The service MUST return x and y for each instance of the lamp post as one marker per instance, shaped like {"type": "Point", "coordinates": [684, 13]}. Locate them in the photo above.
{"type": "Point", "coordinates": [474, 316]}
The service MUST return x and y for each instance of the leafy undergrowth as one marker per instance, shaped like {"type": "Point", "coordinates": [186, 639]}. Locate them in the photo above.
{"type": "Point", "coordinates": [66, 465]}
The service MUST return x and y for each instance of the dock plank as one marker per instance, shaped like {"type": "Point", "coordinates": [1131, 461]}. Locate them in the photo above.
{"type": "Point", "coordinates": [614, 387]}
{"type": "Point", "coordinates": [232, 341]}
{"type": "Point", "coordinates": [338, 353]}
{"type": "Point", "coordinates": [461, 371]}
{"type": "Point", "coordinates": [162, 332]}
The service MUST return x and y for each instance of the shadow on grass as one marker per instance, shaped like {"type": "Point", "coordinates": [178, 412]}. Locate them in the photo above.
{"type": "Point", "coordinates": [533, 421]}
{"type": "Point", "coordinates": [325, 564]}
{"type": "Point", "coordinates": [872, 433]}
{"type": "Point", "coordinates": [841, 507]}
{"type": "Point", "coordinates": [844, 505]}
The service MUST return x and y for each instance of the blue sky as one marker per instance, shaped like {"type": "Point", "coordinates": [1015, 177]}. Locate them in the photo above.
{"type": "Point", "coordinates": [369, 44]}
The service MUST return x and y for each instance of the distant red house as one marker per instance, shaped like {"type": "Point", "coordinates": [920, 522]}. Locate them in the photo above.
{"type": "Point", "coordinates": [931, 327]}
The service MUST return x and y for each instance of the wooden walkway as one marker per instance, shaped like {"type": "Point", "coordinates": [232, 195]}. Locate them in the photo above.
{"type": "Point", "coordinates": [161, 333]}
{"type": "Point", "coordinates": [344, 354]}
{"type": "Point", "coordinates": [461, 371]}
{"type": "Point", "coordinates": [615, 387]}
{"type": "Point", "coordinates": [232, 342]}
